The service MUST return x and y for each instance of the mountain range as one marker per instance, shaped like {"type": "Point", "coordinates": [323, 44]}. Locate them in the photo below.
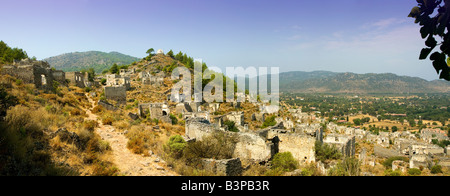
{"type": "Point", "coordinates": [77, 61]}
{"type": "Point", "coordinates": [352, 83]}
{"type": "Point", "coordinates": [294, 82]}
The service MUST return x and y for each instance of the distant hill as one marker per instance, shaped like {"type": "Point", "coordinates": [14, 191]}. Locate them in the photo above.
{"type": "Point", "coordinates": [330, 82]}
{"type": "Point", "coordinates": [100, 61]}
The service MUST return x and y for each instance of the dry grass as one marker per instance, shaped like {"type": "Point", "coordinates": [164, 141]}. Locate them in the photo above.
{"type": "Point", "coordinates": [90, 125]}
{"type": "Point", "coordinates": [255, 170]}
{"type": "Point", "coordinates": [30, 124]}
{"type": "Point", "coordinates": [139, 140]}
{"type": "Point", "coordinates": [107, 120]}
{"type": "Point", "coordinates": [121, 125]}
{"type": "Point", "coordinates": [97, 109]}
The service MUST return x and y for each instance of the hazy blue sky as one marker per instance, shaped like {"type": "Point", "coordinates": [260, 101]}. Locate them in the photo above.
{"type": "Point", "coordinates": [358, 36]}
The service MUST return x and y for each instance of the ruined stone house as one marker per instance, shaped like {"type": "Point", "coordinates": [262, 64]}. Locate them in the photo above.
{"type": "Point", "coordinates": [236, 117]}
{"type": "Point", "coordinates": [261, 117]}
{"type": "Point", "coordinates": [183, 108]}
{"type": "Point", "coordinates": [78, 79]}
{"type": "Point", "coordinates": [149, 79]}
{"type": "Point", "coordinates": [428, 135]}
{"type": "Point", "coordinates": [227, 167]}
{"type": "Point", "coordinates": [204, 115]}
{"type": "Point", "coordinates": [127, 72]}
{"type": "Point", "coordinates": [114, 80]}
{"type": "Point", "coordinates": [346, 144]}
{"type": "Point", "coordinates": [158, 111]}
{"type": "Point", "coordinates": [259, 146]}
{"type": "Point", "coordinates": [34, 72]}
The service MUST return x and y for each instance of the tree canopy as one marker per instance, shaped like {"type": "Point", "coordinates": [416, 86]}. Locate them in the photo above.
{"type": "Point", "coordinates": [8, 54]}
{"type": "Point", "coordinates": [434, 25]}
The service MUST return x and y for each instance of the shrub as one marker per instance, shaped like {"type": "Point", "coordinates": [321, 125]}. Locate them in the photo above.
{"type": "Point", "coordinates": [436, 169]}
{"type": "Point", "coordinates": [215, 146]}
{"type": "Point", "coordinates": [311, 170]}
{"type": "Point", "coordinates": [274, 172]}
{"type": "Point", "coordinates": [255, 170]}
{"type": "Point", "coordinates": [103, 81]}
{"type": "Point", "coordinates": [19, 82]}
{"type": "Point", "coordinates": [97, 109]}
{"type": "Point", "coordinates": [414, 172]}
{"type": "Point", "coordinates": [139, 140]}
{"type": "Point", "coordinates": [108, 120]}
{"type": "Point", "coordinates": [326, 152]}
{"type": "Point", "coordinates": [388, 162]}
{"type": "Point", "coordinates": [76, 112]}
{"type": "Point", "coordinates": [269, 122]}
{"type": "Point", "coordinates": [25, 120]}
{"type": "Point", "coordinates": [90, 125]}
{"type": "Point", "coordinates": [174, 119]}
{"type": "Point", "coordinates": [390, 172]}
{"type": "Point", "coordinates": [128, 107]}
{"type": "Point", "coordinates": [231, 126]}
{"type": "Point", "coordinates": [176, 145]}
{"type": "Point", "coordinates": [350, 166]}
{"type": "Point", "coordinates": [104, 168]}
{"type": "Point", "coordinates": [155, 121]}
{"type": "Point", "coordinates": [285, 162]}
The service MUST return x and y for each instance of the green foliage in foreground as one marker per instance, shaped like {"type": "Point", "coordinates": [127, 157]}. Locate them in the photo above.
{"type": "Point", "coordinates": [8, 54]}
{"type": "Point", "coordinates": [176, 145]}
{"type": "Point", "coordinates": [350, 166]}
{"type": "Point", "coordinates": [326, 152]}
{"type": "Point", "coordinates": [284, 162]}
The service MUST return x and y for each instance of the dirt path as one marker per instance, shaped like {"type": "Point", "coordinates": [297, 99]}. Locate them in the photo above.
{"type": "Point", "coordinates": [130, 164]}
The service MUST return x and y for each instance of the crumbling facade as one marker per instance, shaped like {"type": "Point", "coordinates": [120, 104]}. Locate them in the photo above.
{"type": "Point", "coordinates": [346, 144]}
{"type": "Point", "coordinates": [114, 80]}
{"type": "Point", "coordinates": [34, 72]}
{"type": "Point", "coordinates": [262, 145]}
{"type": "Point", "coordinates": [127, 72]}
{"type": "Point", "coordinates": [237, 117]}
{"type": "Point", "coordinates": [299, 144]}
{"type": "Point", "coordinates": [149, 79]}
{"type": "Point", "coordinates": [78, 79]}
{"type": "Point", "coordinates": [227, 167]}
{"type": "Point", "coordinates": [116, 93]}
{"type": "Point", "coordinates": [158, 111]}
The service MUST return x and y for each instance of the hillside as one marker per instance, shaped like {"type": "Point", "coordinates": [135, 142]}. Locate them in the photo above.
{"type": "Point", "coordinates": [329, 82]}
{"type": "Point", "coordinates": [100, 61]}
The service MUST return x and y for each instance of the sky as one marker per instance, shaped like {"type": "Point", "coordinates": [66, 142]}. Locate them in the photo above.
{"type": "Point", "coordinates": [360, 36]}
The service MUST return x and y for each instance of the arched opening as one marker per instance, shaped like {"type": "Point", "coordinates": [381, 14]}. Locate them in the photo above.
{"type": "Point", "coordinates": [43, 80]}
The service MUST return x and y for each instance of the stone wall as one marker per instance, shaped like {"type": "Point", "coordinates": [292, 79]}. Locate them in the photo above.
{"type": "Point", "coordinates": [300, 145]}
{"type": "Point", "coordinates": [418, 161]}
{"type": "Point", "coordinates": [107, 106]}
{"type": "Point", "coordinates": [77, 79]}
{"type": "Point", "coordinates": [385, 153]}
{"type": "Point", "coordinates": [227, 167]}
{"type": "Point", "coordinates": [197, 128]}
{"type": "Point", "coordinates": [254, 147]}
{"type": "Point", "coordinates": [183, 108]}
{"type": "Point", "coordinates": [261, 117]}
{"type": "Point", "coordinates": [34, 72]}
{"type": "Point", "coordinates": [118, 93]}
{"type": "Point", "coordinates": [345, 143]}
{"type": "Point", "coordinates": [237, 117]}
{"type": "Point", "coordinates": [114, 80]}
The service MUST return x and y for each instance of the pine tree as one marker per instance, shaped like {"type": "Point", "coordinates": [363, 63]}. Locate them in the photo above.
{"type": "Point", "coordinates": [114, 69]}
{"type": "Point", "coordinates": [170, 53]}
{"type": "Point", "coordinates": [179, 56]}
